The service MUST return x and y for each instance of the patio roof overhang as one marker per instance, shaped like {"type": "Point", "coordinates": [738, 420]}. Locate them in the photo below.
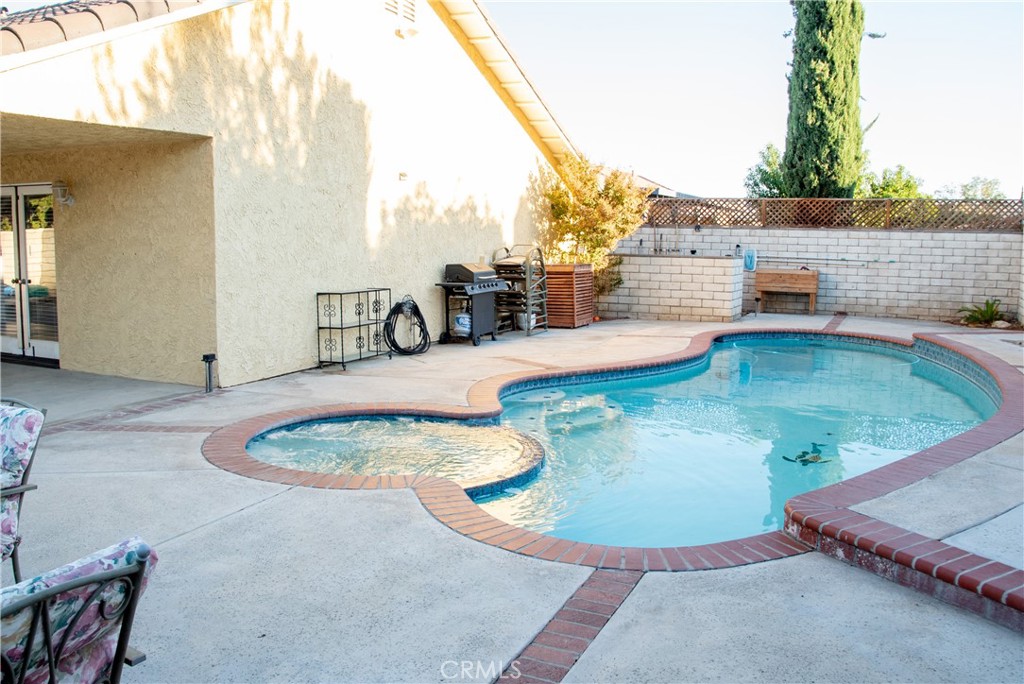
{"type": "Point", "coordinates": [21, 134]}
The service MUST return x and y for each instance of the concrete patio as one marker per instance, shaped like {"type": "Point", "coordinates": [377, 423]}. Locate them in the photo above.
{"type": "Point", "coordinates": [265, 582]}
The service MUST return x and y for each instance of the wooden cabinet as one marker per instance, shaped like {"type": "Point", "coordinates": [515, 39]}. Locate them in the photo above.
{"type": "Point", "coordinates": [570, 295]}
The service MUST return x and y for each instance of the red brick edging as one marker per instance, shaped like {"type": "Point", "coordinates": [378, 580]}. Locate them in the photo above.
{"type": "Point", "coordinates": [823, 519]}
{"type": "Point", "coordinates": [449, 503]}
{"type": "Point", "coordinates": [833, 325]}
{"type": "Point", "coordinates": [101, 423]}
{"type": "Point", "coordinates": [553, 652]}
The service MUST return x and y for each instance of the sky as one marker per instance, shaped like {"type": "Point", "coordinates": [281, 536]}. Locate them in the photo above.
{"type": "Point", "coordinates": [688, 93]}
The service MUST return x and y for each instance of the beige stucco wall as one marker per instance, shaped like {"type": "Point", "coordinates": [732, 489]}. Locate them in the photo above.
{"type": "Point", "coordinates": [344, 156]}
{"type": "Point", "coordinates": [134, 257]}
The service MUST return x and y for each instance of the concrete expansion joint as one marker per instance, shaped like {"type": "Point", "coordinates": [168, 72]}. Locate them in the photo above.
{"type": "Point", "coordinates": [224, 517]}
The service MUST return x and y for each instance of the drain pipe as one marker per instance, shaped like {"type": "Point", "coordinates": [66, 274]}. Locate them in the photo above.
{"type": "Point", "coordinates": [208, 359]}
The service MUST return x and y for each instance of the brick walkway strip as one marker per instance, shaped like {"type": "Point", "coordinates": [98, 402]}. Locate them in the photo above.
{"type": "Point", "coordinates": [553, 652]}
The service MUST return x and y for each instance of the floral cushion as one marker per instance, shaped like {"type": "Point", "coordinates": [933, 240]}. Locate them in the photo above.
{"type": "Point", "coordinates": [19, 430]}
{"type": "Point", "coordinates": [9, 506]}
{"type": "Point", "coordinates": [89, 650]}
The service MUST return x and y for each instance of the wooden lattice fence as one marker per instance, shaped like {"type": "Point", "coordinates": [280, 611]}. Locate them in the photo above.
{"type": "Point", "coordinates": [894, 214]}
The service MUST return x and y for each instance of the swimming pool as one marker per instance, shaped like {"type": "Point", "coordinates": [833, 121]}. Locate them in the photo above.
{"type": "Point", "coordinates": [712, 451]}
{"type": "Point", "coordinates": [712, 448]}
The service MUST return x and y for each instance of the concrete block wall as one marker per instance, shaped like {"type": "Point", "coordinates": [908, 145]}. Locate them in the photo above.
{"type": "Point", "coordinates": [676, 288]}
{"type": "Point", "coordinates": [906, 274]}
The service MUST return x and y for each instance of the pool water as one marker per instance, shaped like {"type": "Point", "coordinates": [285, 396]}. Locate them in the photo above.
{"type": "Point", "coordinates": [399, 445]}
{"type": "Point", "coordinates": [713, 452]}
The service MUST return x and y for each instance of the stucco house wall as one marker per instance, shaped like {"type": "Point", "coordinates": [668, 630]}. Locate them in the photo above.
{"type": "Point", "coordinates": [344, 154]}
{"type": "Point", "coordinates": [135, 262]}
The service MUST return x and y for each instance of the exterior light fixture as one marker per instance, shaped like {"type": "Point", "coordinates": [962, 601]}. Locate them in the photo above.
{"type": "Point", "coordinates": [62, 194]}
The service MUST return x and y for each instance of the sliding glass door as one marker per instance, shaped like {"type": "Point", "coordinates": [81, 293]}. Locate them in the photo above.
{"type": "Point", "coordinates": [28, 276]}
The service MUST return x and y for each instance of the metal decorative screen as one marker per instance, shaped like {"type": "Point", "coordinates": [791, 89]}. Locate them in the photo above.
{"type": "Point", "coordinates": [350, 325]}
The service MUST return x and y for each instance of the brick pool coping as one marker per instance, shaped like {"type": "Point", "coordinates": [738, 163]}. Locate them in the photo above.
{"type": "Point", "coordinates": [820, 520]}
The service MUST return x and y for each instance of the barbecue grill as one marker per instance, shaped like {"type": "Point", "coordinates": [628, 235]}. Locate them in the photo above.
{"type": "Point", "coordinates": [470, 288]}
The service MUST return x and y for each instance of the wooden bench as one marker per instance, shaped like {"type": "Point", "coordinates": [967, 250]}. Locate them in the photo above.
{"type": "Point", "coordinates": [789, 281]}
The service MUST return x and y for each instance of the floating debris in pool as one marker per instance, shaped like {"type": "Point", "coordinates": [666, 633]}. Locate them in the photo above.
{"type": "Point", "coordinates": [812, 456]}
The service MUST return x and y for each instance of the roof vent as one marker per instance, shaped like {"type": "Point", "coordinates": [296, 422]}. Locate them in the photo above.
{"type": "Point", "coordinates": [405, 9]}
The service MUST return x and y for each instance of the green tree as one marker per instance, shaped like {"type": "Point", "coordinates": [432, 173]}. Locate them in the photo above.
{"type": "Point", "coordinates": [976, 188]}
{"type": "Point", "coordinates": [765, 178]}
{"type": "Point", "coordinates": [40, 214]}
{"type": "Point", "coordinates": [893, 184]}
{"type": "Point", "coordinates": [584, 209]}
{"type": "Point", "coordinates": [823, 155]}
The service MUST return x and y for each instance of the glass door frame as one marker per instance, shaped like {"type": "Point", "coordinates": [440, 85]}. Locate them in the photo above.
{"type": "Point", "coordinates": [16, 267]}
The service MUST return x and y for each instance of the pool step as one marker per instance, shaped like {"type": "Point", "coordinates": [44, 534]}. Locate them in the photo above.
{"type": "Point", "coordinates": [567, 420]}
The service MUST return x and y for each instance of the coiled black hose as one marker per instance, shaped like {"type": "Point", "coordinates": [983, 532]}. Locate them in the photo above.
{"type": "Point", "coordinates": [409, 309]}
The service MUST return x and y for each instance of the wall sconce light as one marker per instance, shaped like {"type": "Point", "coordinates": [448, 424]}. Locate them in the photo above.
{"type": "Point", "coordinates": [62, 194]}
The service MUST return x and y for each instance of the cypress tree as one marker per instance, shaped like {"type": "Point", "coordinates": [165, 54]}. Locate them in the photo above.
{"type": "Point", "coordinates": [823, 155]}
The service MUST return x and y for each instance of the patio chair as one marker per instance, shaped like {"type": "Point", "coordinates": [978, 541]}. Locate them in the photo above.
{"type": "Point", "coordinates": [72, 624]}
{"type": "Point", "coordinates": [20, 425]}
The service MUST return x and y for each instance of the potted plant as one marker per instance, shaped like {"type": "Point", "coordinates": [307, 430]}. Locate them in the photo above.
{"type": "Point", "coordinates": [583, 210]}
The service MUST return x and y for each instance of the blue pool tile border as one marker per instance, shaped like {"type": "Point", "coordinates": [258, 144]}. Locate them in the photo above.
{"type": "Point", "coordinates": [930, 351]}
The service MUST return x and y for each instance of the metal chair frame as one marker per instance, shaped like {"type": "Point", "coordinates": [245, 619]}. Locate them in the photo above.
{"type": "Point", "coordinates": [130, 577]}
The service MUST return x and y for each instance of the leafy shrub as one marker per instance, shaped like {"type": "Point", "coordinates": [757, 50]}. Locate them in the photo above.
{"type": "Point", "coordinates": [983, 314]}
{"type": "Point", "coordinates": [584, 210]}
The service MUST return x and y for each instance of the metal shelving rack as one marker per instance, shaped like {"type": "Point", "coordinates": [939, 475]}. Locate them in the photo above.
{"type": "Point", "coordinates": [350, 325]}
{"type": "Point", "coordinates": [522, 266]}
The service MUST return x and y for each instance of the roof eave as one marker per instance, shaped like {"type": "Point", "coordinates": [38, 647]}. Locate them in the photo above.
{"type": "Point", "coordinates": [476, 32]}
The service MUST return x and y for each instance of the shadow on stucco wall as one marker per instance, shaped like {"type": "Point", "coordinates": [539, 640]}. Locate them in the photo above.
{"type": "Point", "coordinates": [292, 181]}
{"type": "Point", "coordinates": [291, 169]}
{"type": "Point", "coordinates": [418, 218]}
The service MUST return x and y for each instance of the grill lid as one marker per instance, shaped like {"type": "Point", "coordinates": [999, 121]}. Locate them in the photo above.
{"type": "Point", "coordinates": [468, 273]}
